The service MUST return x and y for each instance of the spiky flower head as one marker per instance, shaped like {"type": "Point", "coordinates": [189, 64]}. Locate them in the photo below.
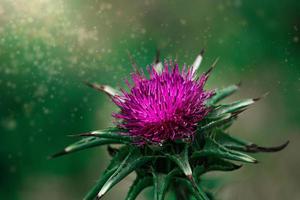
{"type": "Point", "coordinates": [164, 107]}
{"type": "Point", "coordinates": [170, 105]}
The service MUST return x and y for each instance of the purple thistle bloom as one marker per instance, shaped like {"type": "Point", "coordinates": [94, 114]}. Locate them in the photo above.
{"type": "Point", "coordinates": [165, 107]}
{"type": "Point", "coordinates": [161, 108]}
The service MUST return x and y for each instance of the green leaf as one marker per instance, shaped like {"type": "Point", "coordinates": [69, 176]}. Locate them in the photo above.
{"type": "Point", "coordinates": [160, 185]}
{"type": "Point", "coordinates": [111, 133]}
{"type": "Point", "coordinates": [138, 186]}
{"type": "Point", "coordinates": [112, 167]}
{"type": "Point", "coordinates": [132, 161]}
{"type": "Point", "coordinates": [162, 182]}
{"type": "Point", "coordinates": [240, 145]}
{"type": "Point", "coordinates": [235, 107]}
{"type": "Point", "coordinates": [86, 143]}
{"type": "Point", "coordinates": [229, 141]}
{"type": "Point", "coordinates": [214, 149]}
{"type": "Point", "coordinates": [216, 123]}
{"type": "Point", "coordinates": [221, 94]}
{"type": "Point", "coordinates": [214, 164]}
{"type": "Point", "coordinates": [182, 160]}
{"type": "Point", "coordinates": [120, 156]}
{"type": "Point", "coordinates": [93, 192]}
{"type": "Point", "coordinates": [221, 165]}
{"type": "Point", "coordinates": [193, 187]}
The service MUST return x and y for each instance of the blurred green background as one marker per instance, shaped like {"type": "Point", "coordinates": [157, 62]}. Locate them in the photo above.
{"type": "Point", "coordinates": [47, 48]}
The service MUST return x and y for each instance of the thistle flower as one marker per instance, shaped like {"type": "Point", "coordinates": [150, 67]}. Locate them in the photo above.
{"type": "Point", "coordinates": [167, 106]}
{"type": "Point", "coordinates": [180, 128]}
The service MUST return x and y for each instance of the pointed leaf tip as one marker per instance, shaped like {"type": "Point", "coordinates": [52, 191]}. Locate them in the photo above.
{"type": "Point", "coordinates": [58, 154]}
{"type": "Point", "coordinates": [94, 86]}
{"type": "Point", "coordinates": [261, 97]}
{"type": "Point", "coordinates": [80, 134]}
{"type": "Point", "coordinates": [212, 67]}
{"type": "Point", "coordinates": [253, 148]}
{"type": "Point", "coordinates": [111, 92]}
{"type": "Point", "coordinates": [157, 56]}
{"type": "Point", "coordinates": [88, 142]}
{"type": "Point", "coordinates": [202, 52]}
{"type": "Point", "coordinates": [197, 63]}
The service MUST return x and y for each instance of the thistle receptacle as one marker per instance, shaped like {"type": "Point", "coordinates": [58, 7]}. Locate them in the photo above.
{"type": "Point", "coordinates": [171, 132]}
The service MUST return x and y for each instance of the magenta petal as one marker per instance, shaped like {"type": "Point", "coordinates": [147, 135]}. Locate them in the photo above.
{"type": "Point", "coordinates": [165, 107]}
